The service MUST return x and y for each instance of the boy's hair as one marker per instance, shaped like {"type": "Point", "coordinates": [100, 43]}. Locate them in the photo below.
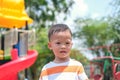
{"type": "Point", "coordinates": [58, 28]}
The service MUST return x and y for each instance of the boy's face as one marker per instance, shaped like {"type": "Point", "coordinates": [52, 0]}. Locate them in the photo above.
{"type": "Point", "coordinates": [61, 43]}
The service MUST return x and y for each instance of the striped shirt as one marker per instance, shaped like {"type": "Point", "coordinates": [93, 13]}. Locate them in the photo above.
{"type": "Point", "coordinates": [71, 70]}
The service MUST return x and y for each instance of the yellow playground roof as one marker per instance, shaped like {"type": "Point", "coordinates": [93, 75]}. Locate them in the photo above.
{"type": "Point", "coordinates": [12, 14]}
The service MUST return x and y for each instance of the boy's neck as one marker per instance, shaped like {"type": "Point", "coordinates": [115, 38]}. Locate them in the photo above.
{"type": "Point", "coordinates": [61, 60]}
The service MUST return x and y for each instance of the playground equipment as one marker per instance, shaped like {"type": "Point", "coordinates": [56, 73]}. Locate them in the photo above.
{"type": "Point", "coordinates": [109, 68]}
{"type": "Point", "coordinates": [12, 14]}
{"type": "Point", "coordinates": [105, 67]}
{"type": "Point", "coordinates": [15, 40]}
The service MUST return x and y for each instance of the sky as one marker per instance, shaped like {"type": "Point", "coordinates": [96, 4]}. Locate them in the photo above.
{"type": "Point", "coordinates": [91, 8]}
{"type": "Point", "coordinates": [87, 8]}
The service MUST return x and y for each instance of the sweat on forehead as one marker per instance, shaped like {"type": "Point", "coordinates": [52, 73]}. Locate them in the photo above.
{"type": "Point", "coordinates": [58, 28]}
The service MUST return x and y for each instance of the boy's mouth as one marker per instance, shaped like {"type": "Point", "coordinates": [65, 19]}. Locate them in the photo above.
{"type": "Point", "coordinates": [62, 51]}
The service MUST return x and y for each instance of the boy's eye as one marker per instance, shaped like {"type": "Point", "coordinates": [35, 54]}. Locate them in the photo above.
{"type": "Point", "coordinates": [57, 42]}
{"type": "Point", "coordinates": [67, 42]}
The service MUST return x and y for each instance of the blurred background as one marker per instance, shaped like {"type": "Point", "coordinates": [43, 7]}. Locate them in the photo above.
{"type": "Point", "coordinates": [93, 23]}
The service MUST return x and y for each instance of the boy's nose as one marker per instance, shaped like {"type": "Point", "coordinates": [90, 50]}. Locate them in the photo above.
{"type": "Point", "coordinates": [63, 46]}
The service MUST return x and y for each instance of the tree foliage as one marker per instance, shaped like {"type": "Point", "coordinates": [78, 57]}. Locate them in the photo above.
{"type": "Point", "coordinates": [76, 54]}
{"type": "Point", "coordinates": [44, 12]}
{"type": "Point", "coordinates": [114, 18]}
{"type": "Point", "coordinates": [94, 32]}
{"type": "Point", "coordinates": [114, 21]}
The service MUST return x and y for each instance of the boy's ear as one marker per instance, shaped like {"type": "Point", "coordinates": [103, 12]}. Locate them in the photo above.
{"type": "Point", "coordinates": [49, 45]}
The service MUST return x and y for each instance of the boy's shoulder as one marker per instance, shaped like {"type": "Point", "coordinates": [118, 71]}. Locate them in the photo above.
{"type": "Point", "coordinates": [75, 62]}
{"type": "Point", "coordinates": [49, 63]}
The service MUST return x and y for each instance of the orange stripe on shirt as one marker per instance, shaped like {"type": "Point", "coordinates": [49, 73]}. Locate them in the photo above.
{"type": "Point", "coordinates": [59, 69]}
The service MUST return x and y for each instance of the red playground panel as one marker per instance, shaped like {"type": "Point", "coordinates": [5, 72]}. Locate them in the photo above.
{"type": "Point", "coordinates": [9, 70]}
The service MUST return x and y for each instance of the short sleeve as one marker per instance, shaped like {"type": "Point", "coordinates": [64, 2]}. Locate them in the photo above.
{"type": "Point", "coordinates": [81, 73]}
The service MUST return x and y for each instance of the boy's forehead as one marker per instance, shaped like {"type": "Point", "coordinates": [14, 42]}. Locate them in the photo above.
{"type": "Point", "coordinates": [60, 35]}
